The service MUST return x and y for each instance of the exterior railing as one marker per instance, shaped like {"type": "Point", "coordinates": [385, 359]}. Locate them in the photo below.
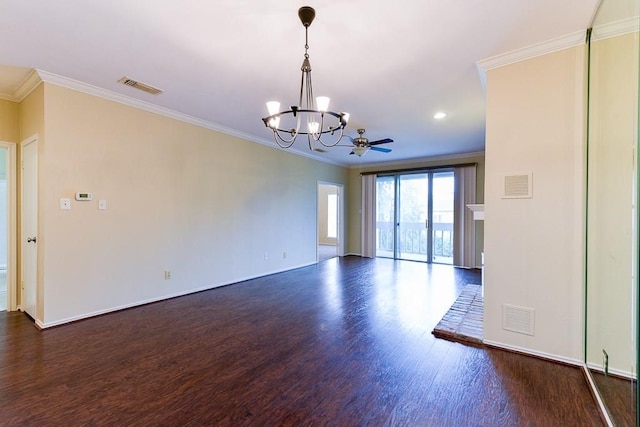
{"type": "Point", "coordinates": [413, 238]}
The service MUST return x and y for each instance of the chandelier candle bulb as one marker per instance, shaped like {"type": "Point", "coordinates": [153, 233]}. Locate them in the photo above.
{"type": "Point", "coordinates": [273, 107]}
{"type": "Point", "coordinates": [313, 127]}
{"type": "Point", "coordinates": [323, 103]}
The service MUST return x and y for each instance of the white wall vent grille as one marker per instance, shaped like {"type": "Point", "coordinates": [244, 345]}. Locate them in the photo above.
{"type": "Point", "coordinates": [140, 86]}
{"type": "Point", "coordinates": [518, 319]}
{"type": "Point", "coordinates": [518, 186]}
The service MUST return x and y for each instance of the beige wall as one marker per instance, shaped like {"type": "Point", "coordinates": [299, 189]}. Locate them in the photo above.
{"type": "Point", "coordinates": [9, 126]}
{"type": "Point", "coordinates": [354, 200]}
{"type": "Point", "coordinates": [205, 205]}
{"type": "Point", "coordinates": [534, 248]}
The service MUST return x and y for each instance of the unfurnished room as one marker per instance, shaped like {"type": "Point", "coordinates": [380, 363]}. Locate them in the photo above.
{"type": "Point", "coordinates": [439, 229]}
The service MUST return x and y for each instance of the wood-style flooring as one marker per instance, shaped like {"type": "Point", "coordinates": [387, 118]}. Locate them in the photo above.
{"type": "Point", "coordinates": [346, 342]}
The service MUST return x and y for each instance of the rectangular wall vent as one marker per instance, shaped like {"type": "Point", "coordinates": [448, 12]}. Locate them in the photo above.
{"type": "Point", "coordinates": [140, 86]}
{"type": "Point", "coordinates": [518, 319]}
{"type": "Point", "coordinates": [518, 186]}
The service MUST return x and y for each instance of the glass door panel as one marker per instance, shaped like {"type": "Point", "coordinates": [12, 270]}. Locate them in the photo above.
{"type": "Point", "coordinates": [414, 216]}
{"type": "Point", "coordinates": [413, 213]}
{"type": "Point", "coordinates": [442, 217]}
{"type": "Point", "coordinates": [385, 216]}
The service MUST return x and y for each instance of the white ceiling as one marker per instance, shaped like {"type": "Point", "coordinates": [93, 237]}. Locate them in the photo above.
{"type": "Point", "coordinates": [391, 65]}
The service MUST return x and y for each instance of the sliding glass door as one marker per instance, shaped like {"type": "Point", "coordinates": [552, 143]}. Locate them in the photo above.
{"type": "Point", "coordinates": [414, 216]}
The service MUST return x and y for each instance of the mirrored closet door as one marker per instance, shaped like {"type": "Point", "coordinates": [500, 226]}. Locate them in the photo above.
{"type": "Point", "coordinates": [611, 344]}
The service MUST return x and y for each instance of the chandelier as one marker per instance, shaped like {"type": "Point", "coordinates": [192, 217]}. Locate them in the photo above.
{"type": "Point", "coordinates": [311, 116]}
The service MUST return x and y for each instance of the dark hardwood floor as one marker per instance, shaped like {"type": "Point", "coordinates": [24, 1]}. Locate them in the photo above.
{"type": "Point", "coordinates": [345, 342]}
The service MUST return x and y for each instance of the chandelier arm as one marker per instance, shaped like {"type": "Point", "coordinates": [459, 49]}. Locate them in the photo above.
{"type": "Point", "coordinates": [320, 129]}
{"type": "Point", "coordinates": [333, 144]}
{"type": "Point", "coordinates": [283, 143]}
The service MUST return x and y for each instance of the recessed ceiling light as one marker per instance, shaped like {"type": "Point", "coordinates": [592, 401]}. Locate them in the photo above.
{"type": "Point", "coordinates": [439, 115]}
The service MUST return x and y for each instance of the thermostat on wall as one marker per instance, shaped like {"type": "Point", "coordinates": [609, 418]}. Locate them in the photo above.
{"type": "Point", "coordinates": [84, 196]}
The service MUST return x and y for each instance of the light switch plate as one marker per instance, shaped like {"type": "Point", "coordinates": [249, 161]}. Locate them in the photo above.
{"type": "Point", "coordinates": [102, 205]}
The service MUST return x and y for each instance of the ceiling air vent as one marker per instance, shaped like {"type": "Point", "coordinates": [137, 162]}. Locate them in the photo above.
{"type": "Point", "coordinates": [141, 86]}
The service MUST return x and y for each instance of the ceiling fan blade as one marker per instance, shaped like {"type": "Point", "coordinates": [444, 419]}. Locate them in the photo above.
{"type": "Point", "coordinates": [381, 141]}
{"type": "Point", "coordinates": [382, 150]}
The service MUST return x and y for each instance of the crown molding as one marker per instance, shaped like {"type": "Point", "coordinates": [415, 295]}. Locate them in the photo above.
{"type": "Point", "coordinates": [617, 28]}
{"type": "Point", "coordinates": [565, 42]}
{"type": "Point", "coordinates": [7, 96]}
{"type": "Point", "coordinates": [24, 88]}
{"type": "Point", "coordinates": [37, 76]}
{"type": "Point", "coordinates": [136, 103]}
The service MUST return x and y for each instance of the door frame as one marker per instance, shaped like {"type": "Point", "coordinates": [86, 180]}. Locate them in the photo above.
{"type": "Point", "coordinates": [22, 233]}
{"type": "Point", "coordinates": [12, 225]}
{"type": "Point", "coordinates": [340, 238]}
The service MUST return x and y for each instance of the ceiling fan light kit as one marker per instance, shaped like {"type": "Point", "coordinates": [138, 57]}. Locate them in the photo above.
{"type": "Point", "coordinates": [362, 145]}
{"type": "Point", "coordinates": [311, 118]}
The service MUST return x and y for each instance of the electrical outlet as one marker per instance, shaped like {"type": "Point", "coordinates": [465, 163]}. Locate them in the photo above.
{"type": "Point", "coordinates": [284, 255]}
{"type": "Point", "coordinates": [266, 256]}
{"type": "Point", "coordinates": [167, 274]}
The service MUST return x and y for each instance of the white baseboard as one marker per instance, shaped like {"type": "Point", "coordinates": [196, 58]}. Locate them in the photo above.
{"type": "Point", "coordinates": [617, 372]}
{"type": "Point", "coordinates": [45, 325]}
{"type": "Point", "coordinates": [539, 354]}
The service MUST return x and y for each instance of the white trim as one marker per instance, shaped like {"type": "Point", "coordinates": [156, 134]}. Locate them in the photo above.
{"type": "Point", "coordinates": [565, 42]}
{"type": "Point", "coordinates": [45, 325]}
{"type": "Point", "coordinates": [12, 236]}
{"type": "Point", "coordinates": [594, 391]}
{"type": "Point", "coordinates": [616, 372]}
{"type": "Point", "coordinates": [40, 75]}
{"type": "Point", "coordinates": [540, 354]}
{"type": "Point", "coordinates": [340, 240]}
{"type": "Point", "coordinates": [550, 46]}
{"type": "Point", "coordinates": [27, 86]}
{"type": "Point", "coordinates": [617, 28]}
{"type": "Point", "coordinates": [136, 103]}
{"type": "Point", "coordinates": [24, 88]}
{"type": "Point", "coordinates": [7, 96]}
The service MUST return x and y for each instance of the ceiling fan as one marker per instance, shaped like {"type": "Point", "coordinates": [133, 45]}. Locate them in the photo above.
{"type": "Point", "coordinates": [361, 144]}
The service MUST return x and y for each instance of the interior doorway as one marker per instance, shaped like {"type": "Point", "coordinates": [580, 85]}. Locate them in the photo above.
{"type": "Point", "coordinates": [7, 227]}
{"type": "Point", "coordinates": [329, 219]}
{"type": "Point", "coordinates": [4, 235]}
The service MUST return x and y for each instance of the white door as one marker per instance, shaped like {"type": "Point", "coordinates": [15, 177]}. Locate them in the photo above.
{"type": "Point", "coordinates": [29, 238]}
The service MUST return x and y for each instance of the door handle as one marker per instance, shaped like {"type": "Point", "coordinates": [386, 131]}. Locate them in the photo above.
{"type": "Point", "coordinates": [31, 239]}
